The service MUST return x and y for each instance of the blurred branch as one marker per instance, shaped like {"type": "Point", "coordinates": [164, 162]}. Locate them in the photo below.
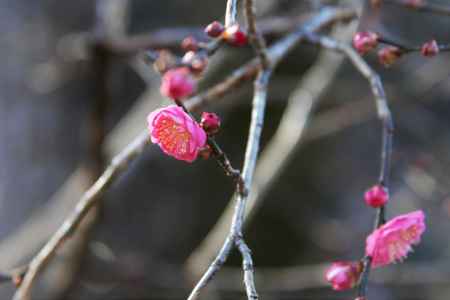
{"type": "Point", "coordinates": [231, 12]}
{"type": "Point", "coordinates": [304, 277]}
{"type": "Point", "coordinates": [407, 49]}
{"type": "Point", "coordinates": [172, 37]}
{"type": "Point", "coordinates": [384, 114]}
{"type": "Point", "coordinates": [421, 6]}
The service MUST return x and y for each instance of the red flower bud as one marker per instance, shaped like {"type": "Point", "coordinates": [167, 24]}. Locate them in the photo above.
{"type": "Point", "coordinates": [214, 29]}
{"type": "Point", "coordinates": [343, 275]}
{"type": "Point", "coordinates": [210, 122]}
{"type": "Point", "coordinates": [389, 55]}
{"type": "Point", "coordinates": [189, 44]}
{"type": "Point", "coordinates": [178, 83]}
{"type": "Point", "coordinates": [430, 48]}
{"type": "Point", "coordinates": [234, 36]}
{"type": "Point", "coordinates": [376, 196]}
{"type": "Point", "coordinates": [365, 41]}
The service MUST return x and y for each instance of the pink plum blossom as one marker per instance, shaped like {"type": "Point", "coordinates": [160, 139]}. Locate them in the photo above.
{"type": "Point", "coordinates": [176, 133]}
{"type": "Point", "coordinates": [392, 241]}
{"type": "Point", "coordinates": [178, 83]}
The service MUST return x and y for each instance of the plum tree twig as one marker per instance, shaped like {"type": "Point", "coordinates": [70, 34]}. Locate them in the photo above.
{"type": "Point", "coordinates": [277, 152]}
{"type": "Point", "coordinates": [385, 116]}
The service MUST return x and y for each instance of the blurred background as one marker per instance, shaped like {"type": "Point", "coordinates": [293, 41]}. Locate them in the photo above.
{"type": "Point", "coordinates": [66, 109]}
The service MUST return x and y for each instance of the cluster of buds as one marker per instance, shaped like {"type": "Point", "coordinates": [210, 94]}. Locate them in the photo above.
{"type": "Point", "coordinates": [366, 41]}
{"type": "Point", "coordinates": [232, 35]}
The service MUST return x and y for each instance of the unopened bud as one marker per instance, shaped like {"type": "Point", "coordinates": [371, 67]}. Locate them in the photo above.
{"type": "Point", "coordinates": [214, 29]}
{"type": "Point", "coordinates": [210, 122]}
{"type": "Point", "coordinates": [365, 41]}
{"type": "Point", "coordinates": [234, 36]}
{"type": "Point", "coordinates": [343, 275]}
{"type": "Point", "coordinates": [430, 49]}
{"type": "Point", "coordinates": [389, 55]}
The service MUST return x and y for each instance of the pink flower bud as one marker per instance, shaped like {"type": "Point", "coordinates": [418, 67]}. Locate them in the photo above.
{"type": "Point", "coordinates": [214, 29]}
{"type": "Point", "coordinates": [178, 83]}
{"type": "Point", "coordinates": [176, 133]}
{"type": "Point", "coordinates": [210, 122]}
{"type": "Point", "coordinates": [365, 41]}
{"type": "Point", "coordinates": [234, 36]}
{"type": "Point", "coordinates": [376, 196]}
{"type": "Point", "coordinates": [189, 44]}
{"type": "Point", "coordinates": [343, 275]}
{"type": "Point", "coordinates": [197, 63]}
{"type": "Point", "coordinates": [205, 152]}
{"type": "Point", "coordinates": [389, 55]}
{"type": "Point", "coordinates": [392, 241]}
{"type": "Point", "coordinates": [430, 48]}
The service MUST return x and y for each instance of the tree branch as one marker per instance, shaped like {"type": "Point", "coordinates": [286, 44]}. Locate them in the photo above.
{"type": "Point", "coordinates": [384, 114]}
{"type": "Point", "coordinates": [422, 6]}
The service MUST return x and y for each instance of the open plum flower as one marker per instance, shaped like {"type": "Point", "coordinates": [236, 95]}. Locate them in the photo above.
{"type": "Point", "coordinates": [176, 133]}
{"type": "Point", "coordinates": [392, 241]}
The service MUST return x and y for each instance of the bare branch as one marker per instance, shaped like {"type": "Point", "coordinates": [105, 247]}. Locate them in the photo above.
{"type": "Point", "coordinates": [235, 235]}
{"type": "Point", "coordinates": [278, 152]}
{"type": "Point", "coordinates": [256, 39]}
{"type": "Point", "coordinates": [422, 6]}
{"type": "Point", "coordinates": [89, 199]}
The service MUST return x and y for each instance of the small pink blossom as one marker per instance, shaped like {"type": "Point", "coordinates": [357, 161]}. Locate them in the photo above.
{"type": "Point", "coordinates": [176, 133]}
{"type": "Point", "coordinates": [343, 275]}
{"type": "Point", "coordinates": [376, 196]}
{"type": "Point", "coordinates": [364, 41]}
{"type": "Point", "coordinates": [392, 241]}
{"type": "Point", "coordinates": [178, 83]}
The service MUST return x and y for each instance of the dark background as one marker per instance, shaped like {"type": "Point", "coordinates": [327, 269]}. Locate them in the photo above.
{"type": "Point", "coordinates": [159, 211]}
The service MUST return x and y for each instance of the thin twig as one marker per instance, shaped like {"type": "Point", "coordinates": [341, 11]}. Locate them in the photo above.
{"type": "Point", "coordinates": [89, 199]}
{"type": "Point", "coordinates": [220, 156]}
{"type": "Point", "coordinates": [408, 49]}
{"type": "Point", "coordinates": [422, 6]}
{"type": "Point", "coordinates": [256, 39]}
{"type": "Point", "coordinates": [384, 114]}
